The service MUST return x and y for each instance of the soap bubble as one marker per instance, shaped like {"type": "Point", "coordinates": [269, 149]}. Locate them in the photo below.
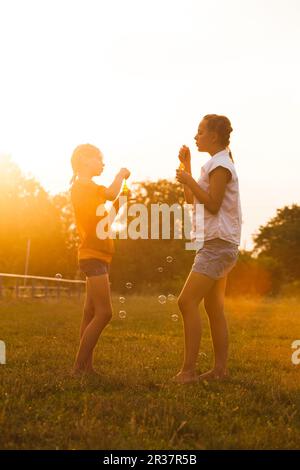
{"type": "Point", "coordinates": [171, 297]}
{"type": "Point", "coordinates": [128, 285]}
{"type": "Point", "coordinates": [174, 317]}
{"type": "Point", "coordinates": [169, 259]}
{"type": "Point", "coordinates": [122, 299]}
{"type": "Point", "coordinates": [162, 299]}
{"type": "Point", "coordinates": [122, 314]}
{"type": "Point", "coordinates": [58, 276]}
{"type": "Point", "coordinates": [160, 269]}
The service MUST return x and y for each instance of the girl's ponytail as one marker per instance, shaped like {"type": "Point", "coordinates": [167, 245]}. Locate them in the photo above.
{"type": "Point", "coordinates": [230, 154]}
{"type": "Point", "coordinates": [72, 180]}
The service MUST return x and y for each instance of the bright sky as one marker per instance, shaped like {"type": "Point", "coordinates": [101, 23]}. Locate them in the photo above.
{"type": "Point", "coordinates": [135, 78]}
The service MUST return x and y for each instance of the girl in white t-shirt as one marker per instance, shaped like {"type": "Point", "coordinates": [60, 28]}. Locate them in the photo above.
{"type": "Point", "coordinates": [218, 190]}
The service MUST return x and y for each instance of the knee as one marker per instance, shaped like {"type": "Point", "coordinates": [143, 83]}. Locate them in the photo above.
{"type": "Point", "coordinates": [88, 312]}
{"type": "Point", "coordinates": [214, 308]}
{"type": "Point", "coordinates": [104, 315]}
{"type": "Point", "coordinates": [108, 316]}
{"type": "Point", "coordinates": [185, 305]}
{"type": "Point", "coordinates": [180, 303]}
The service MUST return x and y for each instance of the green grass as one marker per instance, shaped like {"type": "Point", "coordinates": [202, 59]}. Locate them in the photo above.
{"type": "Point", "coordinates": [134, 406]}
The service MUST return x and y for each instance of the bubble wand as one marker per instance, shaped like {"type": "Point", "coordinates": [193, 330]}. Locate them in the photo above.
{"type": "Point", "coordinates": [125, 189]}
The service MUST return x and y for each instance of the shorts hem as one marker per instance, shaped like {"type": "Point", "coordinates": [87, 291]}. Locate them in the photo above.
{"type": "Point", "coordinates": [93, 267]}
{"type": "Point", "coordinates": [205, 273]}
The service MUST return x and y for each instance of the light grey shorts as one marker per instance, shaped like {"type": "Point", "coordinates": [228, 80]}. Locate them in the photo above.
{"type": "Point", "coordinates": [216, 258]}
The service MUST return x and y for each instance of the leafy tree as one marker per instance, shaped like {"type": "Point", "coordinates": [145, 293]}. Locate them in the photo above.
{"type": "Point", "coordinates": [254, 276]}
{"type": "Point", "coordinates": [139, 260]}
{"type": "Point", "coordinates": [27, 212]}
{"type": "Point", "coordinates": [279, 239]}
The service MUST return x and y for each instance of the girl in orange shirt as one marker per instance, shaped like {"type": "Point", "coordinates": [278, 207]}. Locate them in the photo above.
{"type": "Point", "coordinates": [94, 253]}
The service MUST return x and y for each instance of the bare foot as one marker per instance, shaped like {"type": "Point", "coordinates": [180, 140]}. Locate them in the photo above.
{"type": "Point", "coordinates": [77, 372]}
{"type": "Point", "coordinates": [92, 372]}
{"type": "Point", "coordinates": [213, 374]}
{"type": "Point", "coordinates": [185, 377]}
{"type": "Point", "coordinates": [87, 371]}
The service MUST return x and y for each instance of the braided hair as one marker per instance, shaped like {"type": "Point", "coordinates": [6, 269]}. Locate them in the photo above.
{"type": "Point", "coordinates": [222, 126]}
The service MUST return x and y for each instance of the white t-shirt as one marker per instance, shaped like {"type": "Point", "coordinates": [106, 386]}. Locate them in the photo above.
{"type": "Point", "coordinates": [226, 224]}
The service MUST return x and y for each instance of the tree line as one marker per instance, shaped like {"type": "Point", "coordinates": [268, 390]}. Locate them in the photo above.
{"type": "Point", "coordinates": [28, 212]}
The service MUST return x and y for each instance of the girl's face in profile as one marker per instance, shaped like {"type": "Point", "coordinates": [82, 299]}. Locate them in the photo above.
{"type": "Point", "coordinates": [95, 164]}
{"type": "Point", "coordinates": [204, 138]}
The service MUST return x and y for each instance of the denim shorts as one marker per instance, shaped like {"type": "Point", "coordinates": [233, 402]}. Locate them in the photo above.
{"type": "Point", "coordinates": [93, 267]}
{"type": "Point", "coordinates": [216, 258]}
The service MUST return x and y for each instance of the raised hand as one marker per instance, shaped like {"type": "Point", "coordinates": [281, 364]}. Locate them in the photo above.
{"type": "Point", "coordinates": [184, 155]}
{"type": "Point", "coordinates": [183, 176]}
{"type": "Point", "coordinates": [124, 173]}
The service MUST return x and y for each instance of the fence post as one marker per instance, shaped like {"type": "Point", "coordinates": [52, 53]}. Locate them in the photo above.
{"type": "Point", "coordinates": [46, 289]}
{"type": "Point", "coordinates": [32, 288]}
{"type": "Point", "coordinates": [17, 288]}
{"type": "Point", "coordinates": [58, 290]}
{"type": "Point", "coordinates": [1, 288]}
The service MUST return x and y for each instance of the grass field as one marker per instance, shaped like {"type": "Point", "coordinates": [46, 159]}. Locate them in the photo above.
{"type": "Point", "coordinates": [134, 406]}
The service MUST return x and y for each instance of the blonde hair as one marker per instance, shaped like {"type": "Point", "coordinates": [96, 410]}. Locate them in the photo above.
{"type": "Point", "coordinates": [80, 155]}
{"type": "Point", "coordinates": [222, 126]}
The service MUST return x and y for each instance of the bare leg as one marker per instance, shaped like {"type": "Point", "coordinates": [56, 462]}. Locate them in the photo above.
{"type": "Point", "coordinates": [100, 294]}
{"type": "Point", "coordinates": [196, 287]}
{"type": "Point", "coordinates": [88, 314]}
{"type": "Point", "coordinates": [214, 306]}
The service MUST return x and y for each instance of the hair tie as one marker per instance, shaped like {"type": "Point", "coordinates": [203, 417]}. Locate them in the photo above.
{"type": "Point", "coordinates": [230, 153]}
